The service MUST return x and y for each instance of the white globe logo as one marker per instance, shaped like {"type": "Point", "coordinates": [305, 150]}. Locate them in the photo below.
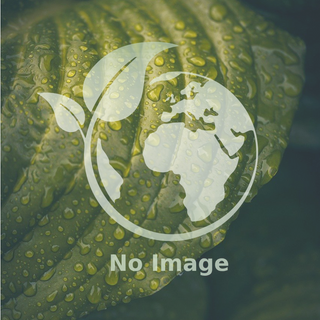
{"type": "Point", "coordinates": [203, 158]}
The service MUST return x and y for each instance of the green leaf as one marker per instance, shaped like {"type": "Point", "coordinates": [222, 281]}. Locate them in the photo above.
{"type": "Point", "coordinates": [57, 240]}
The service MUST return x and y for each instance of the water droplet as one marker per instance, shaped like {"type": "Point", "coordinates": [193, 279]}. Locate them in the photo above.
{"type": "Point", "coordinates": [40, 316]}
{"type": "Point", "coordinates": [22, 179]}
{"type": "Point", "coordinates": [152, 214]}
{"type": "Point", "coordinates": [45, 220]}
{"type": "Point", "coordinates": [140, 275]}
{"type": "Point", "coordinates": [138, 27]}
{"type": "Point", "coordinates": [91, 268]}
{"type": "Point", "coordinates": [180, 25]}
{"type": "Point", "coordinates": [75, 142]}
{"type": "Point", "coordinates": [266, 76]}
{"type": "Point", "coordinates": [55, 248]}
{"type": "Point", "coordinates": [99, 237]}
{"type": "Point", "coordinates": [270, 166]}
{"type": "Point", "coordinates": [159, 61]}
{"type": "Point", "coordinates": [84, 248]}
{"type": "Point", "coordinates": [48, 274]}
{"type": "Point", "coordinates": [246, 57]}
{"type": "Point", "coordinates": [112, 277]}
{"type": "Point", "coordinates": [29, 254]}
{"type": "Point", "coordinates": [212, 73]}
{"type": "Point", "coordinates": [25, 199]}
{"type": "Point", "coordinates": [94, 296]}
{"type": "Point", "coordinates": [16, 314]}
{"type": "Point", "coordinates": [52, 296]}
{"type": "Point", "coordinates": [268, 94]}
{"type": "Point", "coordinates": [154, 94]}
{"type": "Point", "coordinates": [145, 198]}
{"type": "Point", "coordinates": [78, 267]}
{"type": "Point", "coordinates": [69, 297]}
{"type": "Point", "coordinates": [129, 292]}
{"type": "Point", "coordinates": [93, 203]}
{"type": "Point", "coordinates": [292, 84]}
{"type": "Point", "coordinates": [197, 61]}
{"type": "Point", "coordinates": [126, 299]}
{"type": "Point", "coordinates": [167, 229]}
{"type": "Point", "coordinates": [190, 34]}
{"type": "Point", "coordinates": [71, 73]}
{"type": "Point", "coordinates": [154, 284]}
{"type": "Point", "coordinates": [218, 12]}
{"type": "Point", "coordinates": [30, 289]}
{"type": "Point", "coordinates": [115, 125]}
{"type": "Point", "coordinates": [50, 262]}
{"type": "Point", "coordinates": [227, 37]}
{"type": "Point", "coordinates": [68, 213]}
{"type": "Point", "coordinates": [237, 29]}
{"type": "Point", "coordinates": [25, 273]}
{"type": "Point", "coordinates": [252, 88]}
{"type": "Point", "coordinates": [119, 233]}
{"type": "Point", "coordinates": [136, 174]}
{"type": "Point", "coordinates": [47, 197]}
{"type": "Point", "coordinates": [99, 253]}
{"type": "Point", "coordinates": [70, 240]}
{"type": "Point", "coordinates": [44, 80]}
{"type": "Point", "coordinates": [177, 204]}
{"type": "Point", "coordinates": [12, 287]}
{"type": "Point", "coordinates": [168, 249]}
{"type": "Point", "coordinates": [53, 308]}
{"type": "Point", "coordinates": [83, 48]}
{"type": "Point", "coordinates": [103, 136]}
{"type": "Point", "coordinates": [165, 280]}
{"type": "Point", "coordinates": [86, 65]}
{"type": "Point", "coordinates": [132, 192]}
{"type": "Point", "coordinates": [206, 241]}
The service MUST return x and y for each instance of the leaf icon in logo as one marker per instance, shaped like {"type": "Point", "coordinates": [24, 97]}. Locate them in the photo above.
{"type": "Point", "coordinates": [115, 84]}
{"type": "Point", "coordinates": [69, 114]}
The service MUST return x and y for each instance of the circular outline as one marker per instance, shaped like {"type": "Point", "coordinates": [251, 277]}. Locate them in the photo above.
{"type": "Point", "coordinates": [130, 226]}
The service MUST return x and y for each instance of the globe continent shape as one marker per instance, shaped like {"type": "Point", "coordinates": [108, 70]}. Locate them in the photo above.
{"type": "Point", "coordinates": [198, 158]}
